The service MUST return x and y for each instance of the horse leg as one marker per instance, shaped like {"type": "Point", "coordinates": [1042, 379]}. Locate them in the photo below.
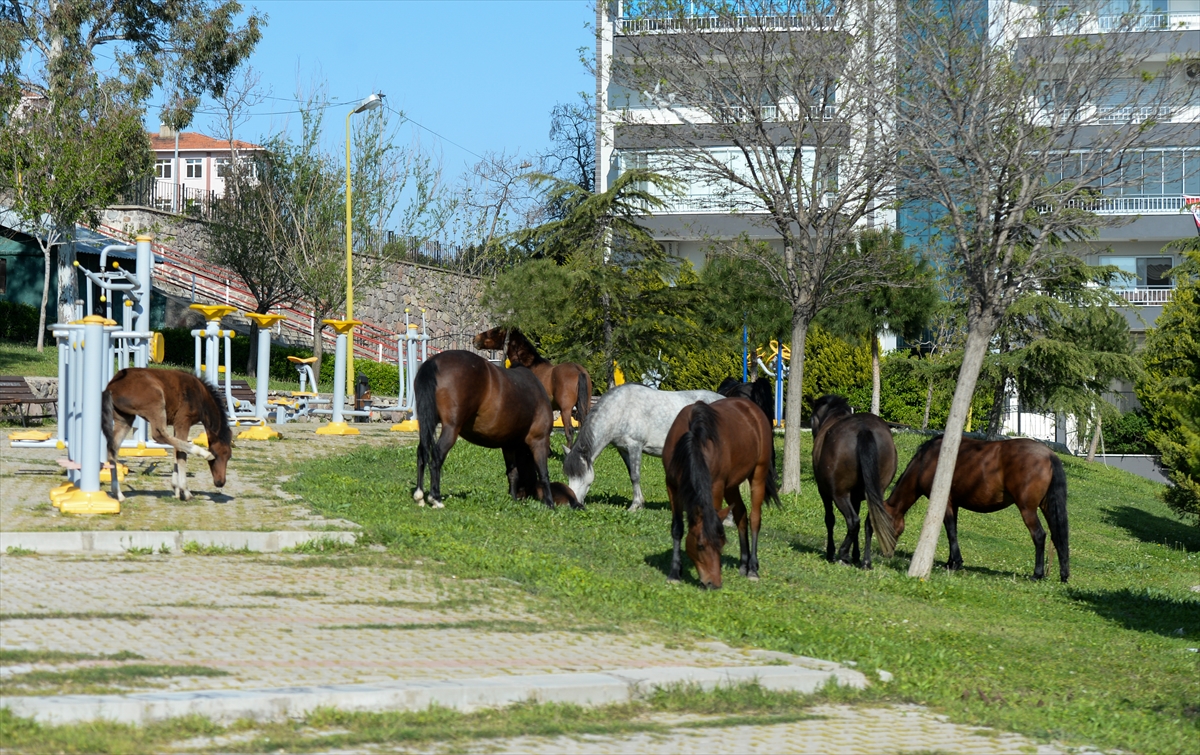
{"type": "Point", "coordinates": [1039, 540]}
{"type": "Point", "coordinates": [758, 493]}
{"type": "Point", "coordinates": [633, 462]}
{"type": "Point", "coordinates": [830, 520]}
{"type": "Point", "coordinates": [541, 451]}
{"type": "Point", "coordinates": [179, 441]}
{"type": "Point", "coordinates": [122, 423]}
{"type": "Point", "coordinates": [436, 459]}
{"type": "Point", "coordinates": [512, 470]}
{"type": "Point", "coordinates": [955, 562]}
{"type": "Point", "coordinates": [733, 496]}
{"type": "Point", "coordinates": [676, 538]}
{"type": "Point", "coordinates": [866, 548]}
{"type": "Point", "coordinates": [850, 514]}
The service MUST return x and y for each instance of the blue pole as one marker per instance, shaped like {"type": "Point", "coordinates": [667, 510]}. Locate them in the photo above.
{"type": "Point", "coordinates": [779, 386]}
{"type": "Point", "coordinates": [745, 354]}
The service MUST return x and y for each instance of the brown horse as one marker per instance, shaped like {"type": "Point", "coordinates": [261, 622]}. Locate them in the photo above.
{"type": "Point", "coordinates": [854, 458]}
{"type": "Point", "coordinates": [568, 384]}
{"type": "Point", "coordinates": [710, 449]}
{"type": "Point", "coordinates": [990, 476]}
{"type": "Point", "coordinates": [163, 397]}
{"type": "Point", "coordinates": [490, 407]}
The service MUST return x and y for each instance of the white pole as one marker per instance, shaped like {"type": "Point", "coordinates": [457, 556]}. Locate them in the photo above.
{"type": "Point", "coordinates": [264, 373]}
{"type": "Point", "coordinates": [339, 378]}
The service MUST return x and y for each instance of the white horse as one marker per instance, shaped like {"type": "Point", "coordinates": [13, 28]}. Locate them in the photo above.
{"type": "Point", "coordinates": [633, 417]}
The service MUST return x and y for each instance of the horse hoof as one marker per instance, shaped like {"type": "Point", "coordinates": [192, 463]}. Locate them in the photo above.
{"type": "Point", "coordinates": [672, 580]}
{"type": "Point", "coordinates": [437, 505]}
{"type": "Point", "coordinates": [728, 522]}
{"type": "Point", "coordinates": [418, 495]}
{"type": "Point", "coordinates": [635, 506]}
{"type": "Point", "coordinates": [743, 570]}
{"type": "Point", "coordinates": [752, 576]}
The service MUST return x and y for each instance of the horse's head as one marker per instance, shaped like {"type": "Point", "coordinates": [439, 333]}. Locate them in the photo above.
{"type": "Point", "coordinates": [826, 409]}
{"type": "Point", "coordinates": [580, 472]}
{"type": "Point", "coordinates": [491, 339]}
{"type": "Point", "coordinates": [222, 451]}
{"type": "Point", "coordinates": [704, 544]}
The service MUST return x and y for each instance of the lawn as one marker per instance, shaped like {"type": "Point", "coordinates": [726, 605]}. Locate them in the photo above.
{"type": "Point", "coordinates": [1106, 660]}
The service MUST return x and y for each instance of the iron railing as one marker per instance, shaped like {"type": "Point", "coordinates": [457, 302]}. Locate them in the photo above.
{"type": "Point", "coordinates": [1135, 205]}
{"type": "Point", "coordinates": [169, 196]}
{"type": "Point", "coordinates": [1146, 296]}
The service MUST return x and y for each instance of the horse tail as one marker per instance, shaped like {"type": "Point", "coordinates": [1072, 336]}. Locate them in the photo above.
{"type": "Point", "coordinates": [1054, 506]}
{"type": "Point", "coordinates": [425, 388]}
{"type": "Point", "coordinates": [583, 397]}
{"type": "Point", "coordinates": [106, 422]}
{"type": "Point", "coordinates": [762, 394]}
{"type": "Point", "coordinates": [695, 480]}
{"type": "Point", "coordinates": [868, 470]}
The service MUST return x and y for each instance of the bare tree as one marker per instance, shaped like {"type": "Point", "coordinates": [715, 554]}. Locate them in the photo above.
{"type": "Point", "coordinates": [778, 111]}
{"type": "Point", "coordinates": [572, 154]}
{"type": "Point", "coordinates": [1012, 123]}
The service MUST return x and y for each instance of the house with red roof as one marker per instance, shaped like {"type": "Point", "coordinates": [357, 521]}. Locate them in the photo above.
{"type": "Point", "coordinates": [190, 168]}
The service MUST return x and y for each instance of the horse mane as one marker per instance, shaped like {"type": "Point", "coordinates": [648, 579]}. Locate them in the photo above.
{"type": "Point", "coordinates": [695, 479]}
{"type": "Point", "coordinates": [219, 416]}
{"type": "Point", "coordinates": [526, 353]}
{"type": "Point", "coordinates": [727, 385]}
{"type": "Point", "coordinates": [761, 394]}
{"type": "Point", "coordinates": [575, 463]}
{"type": "Point", "coordinates": [919, 454]}
{"type": "Point", "coordinates": [833, 405]}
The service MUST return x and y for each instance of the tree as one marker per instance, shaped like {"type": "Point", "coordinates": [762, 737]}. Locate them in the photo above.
{"type": "Point", "coordinates": [60, 165]}
{"type": "Point", "coordinates": [1063, 345]}
{"type": "Point", "coordinates": [189, 48]}
{"type": "Point", "coordinates": [901, 305]}
{"type": "Point", "coordinates": [1009, 122]}
{"type": "Point", "coordinates": [572, 153]}
{"type": "Point", "coordinates": [780, 111]}
{"type": "Point", "coordinates": [598, 280]}
{"type": "Point", "coordinates": [1170, 387]}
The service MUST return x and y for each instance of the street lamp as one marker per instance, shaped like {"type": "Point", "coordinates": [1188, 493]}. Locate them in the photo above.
{"type": "Point", "coordinates": [370, 103]}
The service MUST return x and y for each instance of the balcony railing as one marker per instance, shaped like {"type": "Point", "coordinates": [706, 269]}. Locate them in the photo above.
{"type": "Point", "coordinates": [1117, 114]}
{"type": "Point", "coordinates": [670, 24]}
{"type": "Point", "coordinates": [1146, 296]}
{"type": "Point", "coordinates": [1143, 205]}
{"type": "Point", "coordinates": [169, 196]}
{"type": "Point", "coordinates": [1151, 22]}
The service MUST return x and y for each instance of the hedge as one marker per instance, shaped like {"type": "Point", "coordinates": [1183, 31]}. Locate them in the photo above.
{"type": "Point", "coordinates": [19, 322]}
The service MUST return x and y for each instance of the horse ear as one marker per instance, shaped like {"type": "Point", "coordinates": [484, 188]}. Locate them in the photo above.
{"type": "Point", "coordinates": [566, 450]}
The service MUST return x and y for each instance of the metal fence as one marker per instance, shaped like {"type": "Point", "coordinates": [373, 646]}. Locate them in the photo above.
{"type": "Point", "coordinates": [169, 196]}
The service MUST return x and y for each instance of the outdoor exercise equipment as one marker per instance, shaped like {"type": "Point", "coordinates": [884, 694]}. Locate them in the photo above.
{"type": "Point", "coordinates": [412, 350]}
{"type": "Point", "coordinates": [208, 350]}
{"type": "Point", "coordinates": [337, 424]}
{"type": "Point", "coordinates": [262, 431]}
{"type": "Point", "coordinates": [89, 349]}
{"type": "Point", "coordinates": [774, 364]}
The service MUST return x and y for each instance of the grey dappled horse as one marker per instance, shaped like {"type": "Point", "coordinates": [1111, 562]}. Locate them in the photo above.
{"type": "Point", "coordinates": [633, 417]}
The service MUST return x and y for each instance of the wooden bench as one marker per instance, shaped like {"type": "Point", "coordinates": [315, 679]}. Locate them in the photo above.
{"type": "Point", "coordinates": [242, 391]}
{"type": "Point", "coordinates": [15, 391]}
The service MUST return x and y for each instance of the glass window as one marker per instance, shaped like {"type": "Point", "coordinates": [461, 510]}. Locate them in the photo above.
{"type": "Point", "coordinates": [1153, 271]}
{"type": "Point", "coordinates": [195, 167]}
{"type": "Point", "coordinates": [222, 167]}
{"type": "Point", "coordinates": [162, 168]}
{"type": "Point", "coordinates": [1126, 265]}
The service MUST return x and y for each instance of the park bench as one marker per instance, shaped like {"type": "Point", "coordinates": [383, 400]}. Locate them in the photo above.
{"type": "Point", "coordinates": [242, 392]}
{"type": "Point", "coordinates": [15, 391]}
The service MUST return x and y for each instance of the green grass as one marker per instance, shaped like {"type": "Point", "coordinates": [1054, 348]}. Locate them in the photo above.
{"type": "Point", "coordinates": [15, 655]}
{"type": "Point", "coordinates": [330, 730]}
{"type": "Point", "coordinates": [1104, 660]}
{"type": "Point", "coordinates": [80, 615]}
{"type": "Point", "coordinates": [97, 679]}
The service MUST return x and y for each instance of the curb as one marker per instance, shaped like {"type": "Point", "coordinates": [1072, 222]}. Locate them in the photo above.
{"type": "Point", "coordinates": [121, 541]}
{"type": "Point", "coordinates": [292, 702]}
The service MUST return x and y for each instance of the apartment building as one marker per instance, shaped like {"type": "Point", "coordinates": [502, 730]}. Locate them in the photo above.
{"type": "Point", "coordinates": [189, 170]}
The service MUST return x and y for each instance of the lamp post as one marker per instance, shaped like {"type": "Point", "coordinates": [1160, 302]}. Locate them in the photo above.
{"type": "Point", "coordinates": [370, 103]}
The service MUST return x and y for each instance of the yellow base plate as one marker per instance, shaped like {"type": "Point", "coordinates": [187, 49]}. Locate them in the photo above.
{"type": "Point", "coordinates": [261, 432]}
{"type": "Point", "coordinates": [38, 435]}
{"type": "Point", "coordinates": [142, 452]}
{"type": "Point", "coordinates": [337, 428]}
{"type": "Point", "coordinates": [407, 426]}
{"type": "Point", "coordinates": [97, 502]}
{"type": "Point", "coordinates": [559, 423]}
{"type": "Point", "coordinates": [106, 474]}
{"type": "Point", "coordinates": [57, 493]}
{"type": "Point", "coordinates": [201, 440]}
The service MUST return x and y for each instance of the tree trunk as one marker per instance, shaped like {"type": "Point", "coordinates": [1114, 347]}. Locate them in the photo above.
{"type": "Point", "coordinates": [996, 414]}
{"type": "Point", "coordinates": [68, 287]}
{"type": "Point", "coordinates": [318, 350]}
{"type": "Point", "coordinates": [252, 362]}
{"type": "Point", "coordinates": [792, 407]}
{"type": "Point", "coordinates": [928, 404]}
{"type": "Point", "coordinates": [609, 356]}
{"type": "Point", "coordinates": [41, 339]}
{"type": "Point", "coordinates": [979, 335]}
{"type": "Point", "coordinates": [1095, 439]}
{"type": "Point", "coordinates": [876, 376]}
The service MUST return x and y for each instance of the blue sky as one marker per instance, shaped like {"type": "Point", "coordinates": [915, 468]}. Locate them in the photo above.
{"type": "Point", "coordinates": [482, 74]}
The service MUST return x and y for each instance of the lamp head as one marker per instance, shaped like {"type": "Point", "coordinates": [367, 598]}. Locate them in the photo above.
{"type": "Point", "coordinates": [370, 103]}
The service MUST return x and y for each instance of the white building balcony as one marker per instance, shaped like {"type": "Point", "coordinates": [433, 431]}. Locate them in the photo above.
{"type": "Point", "coordinates": [1146, 296]}
{"type": "Point", "coordinates": [1135, 205]}
{"type": "Point", "coordinates": [1164, 21]}
{"type": "Point", "coordinates": [670, 24]}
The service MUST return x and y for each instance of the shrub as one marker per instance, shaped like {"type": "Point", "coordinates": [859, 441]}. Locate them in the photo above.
{"type": "Point", "coordinates": [1128, 434]}
{"type": "Point", "coordinates": [179, 348]}
{"type": "Point", "coordinates": [384, 377]}
{"type": "Point", "coordinates": [19, 323]}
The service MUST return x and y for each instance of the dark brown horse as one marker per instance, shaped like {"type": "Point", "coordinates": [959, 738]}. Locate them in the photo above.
{"type": "Point", "coordinates": [854, 458]}
{"type": "Point", "coordinates": [490, 407]}
{"type": "Point", "coordinates": [710, 449]}
{"type": "Point", "coordinates": [568, 385]}
{"type": "Point", "coordinates": [167, 397]}
{"type": "Point", "coordinates": [990, 476]}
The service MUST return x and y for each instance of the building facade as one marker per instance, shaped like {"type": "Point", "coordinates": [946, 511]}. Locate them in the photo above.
{"type": "Point", "coordinates": [189, 171]}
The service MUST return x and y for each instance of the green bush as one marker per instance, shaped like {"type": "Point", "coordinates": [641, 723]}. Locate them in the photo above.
{"type": "Point", "coordinates": [19, 323]}
{"type": "Point", "coordinates": [384, 377]}
{"type": "Point", "coordinates": [1128, 434]}
{"type": "Point", "coordinates": [179, 349]}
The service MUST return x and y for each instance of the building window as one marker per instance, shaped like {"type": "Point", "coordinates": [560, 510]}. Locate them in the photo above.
{"type": "Point", "coordinates": [4, 275]}
{"type": "Point", "coordinates": [1141, 272]}
{"type": "Point", "coordinates": [195, 167]}
{"type": "Point", "coordinates": [222, 167]}
{"type": "Point", "coordinates": [162, 168]}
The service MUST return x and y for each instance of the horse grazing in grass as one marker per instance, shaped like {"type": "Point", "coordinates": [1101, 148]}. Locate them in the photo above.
{"type": "Point", "coordinates": [990, 476]}
{"type": "Point", "coordinates": [710, 450]}
{"type": "Point", "coordinates": [854, 458]}
{"type": "Point", "coordinates": [635, 418]}
{"type": "Point", "coordinates": [568, 384]}
{"type": "Point", "coordinates": [163, 397]}
{"type": "Point", "coordinates": [490, 407]}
